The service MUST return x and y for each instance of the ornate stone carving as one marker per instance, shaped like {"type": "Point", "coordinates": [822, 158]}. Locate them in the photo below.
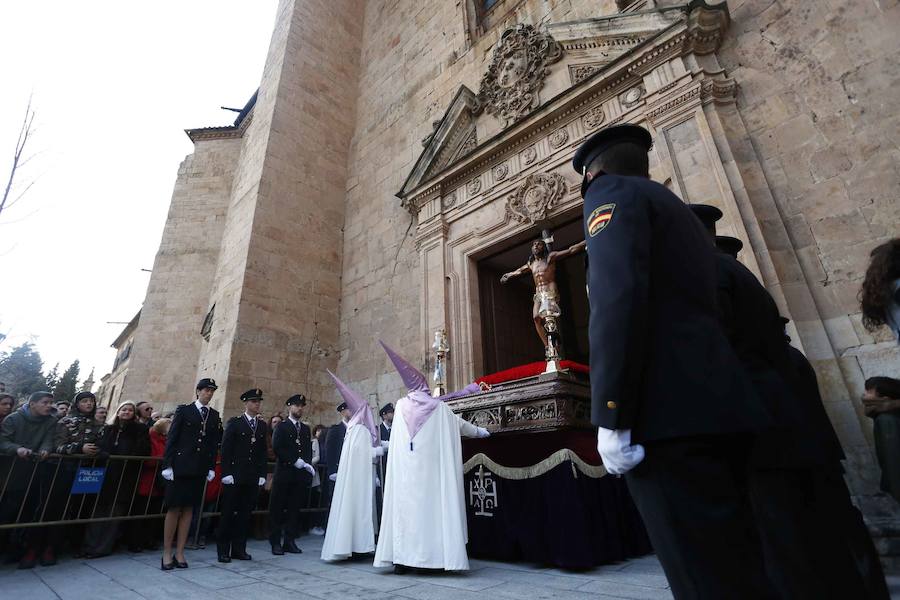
{"type": "Point", "coordinates": [536, 197]}
{"type": "Point", "coordinates": [469, 144]}
{"type": "Point", "coordinates": [473, 187]}
{"type": "Point", "coordinates": [632, 96]}
{"type": "Point", "coordinates": [510, 87]}
{"type": "Point", "coordinates": [558, 138]}
{"type": "Point", "coordinates": [578, 73]}
{"type": "Point", "coordinates": [594, 117]}
{"type": "Point", "coordinates": [448, 201]}
{"type": "Point", "coordinates": [529, 155]}
{"type": "Point", "coordinates": [501, 171]}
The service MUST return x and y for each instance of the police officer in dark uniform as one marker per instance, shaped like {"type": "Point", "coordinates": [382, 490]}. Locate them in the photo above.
{"type": "Point", "coordinates": [188, 464]}
{"type": "Point", "coordinates": [292, 444]}
{"type": "Point", "coordinates": [334, 442]}
{"type": "Point", "coordinates": [805, 555]}
{"type": "Point", "coordinates": [674, 409]}
{"type": "Point", "coordinates": [243, 472]}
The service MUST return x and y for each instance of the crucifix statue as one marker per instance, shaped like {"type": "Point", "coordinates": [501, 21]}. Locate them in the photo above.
{"type": "Point", "coordinates": [542, 265]}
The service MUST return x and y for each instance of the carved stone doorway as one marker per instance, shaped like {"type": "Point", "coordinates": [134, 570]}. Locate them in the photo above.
{"type": "Point", "coordinates": [508, 336]}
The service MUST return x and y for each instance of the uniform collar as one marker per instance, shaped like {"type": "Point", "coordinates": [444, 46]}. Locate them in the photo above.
{"type": "Point", "coordinates": [386, 425]}
{"type": "Point", "coordinates": [199, 406]}
{"type": "Point", "coordinates": [296, 422]}
{"type": "Point", "coordinates": [248, 417]}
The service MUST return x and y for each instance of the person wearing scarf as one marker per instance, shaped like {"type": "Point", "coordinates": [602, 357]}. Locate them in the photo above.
{"type": "Point", "coordinates": [423, 523]}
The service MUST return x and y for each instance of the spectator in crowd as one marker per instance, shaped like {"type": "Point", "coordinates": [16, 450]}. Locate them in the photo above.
{"type": "Point", "coordinates": [880, 292]}
{"type": "Point", "coordinates": [274, 420]}
{"type": "Point", "coordinates": [151, 486]}
{"type": "Point", "coordinates": [144, 413]}
{"type": "Point", "coordinates": [100, 414]}
{"type": "Point", "coordinates": [27, 435]}
{"type": "Point", "coordinates": [882, 403]}
{"type": "Point", "coordinates": [124, 437]}
{"type": "Point", "coordinates": [317, 520]}
{"type": "Point", "coordinates": [62, 409]}
{"type": "Point", "coordinates": [6, 406]}
{"type": "Point", "coordinates": [76, 433]}
{"type": "Point", "coordinates": [155, 416]}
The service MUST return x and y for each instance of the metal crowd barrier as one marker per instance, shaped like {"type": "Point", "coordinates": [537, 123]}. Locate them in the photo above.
{"type": "Point", "coordinates": [68, 490]}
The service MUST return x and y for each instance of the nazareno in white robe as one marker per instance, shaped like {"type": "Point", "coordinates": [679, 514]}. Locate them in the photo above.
{"type": "Point", "coordinates": [423, 522]}
{"type": "Point", "coordinates": [350, 527]}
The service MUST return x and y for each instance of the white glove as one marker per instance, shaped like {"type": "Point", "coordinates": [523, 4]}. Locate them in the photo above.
{"type": "Point", "coordinates": [168, 474]}
{"type": "Point", "coordinates": [619, 455]}
{"type": "Point", "coordinates": [385, 444]}
{"type": "Point", "coordinates": [482, 432]}
{"type": "Point", "coordinates": [262, 481]}
{"type": "Point", "coordinates": [228, 480]}
{"type": "Point", "coordinates": [210, 475]}
{"type": "Point", "coordinates": [299, 463]}
{"type": "Point", "coordinates": [310, 469]}
{"type": "Point", "coordinates": [377, 481]}
{"type": "Point", "coordinates": [332, 477]}
{"type": "Point", "coordinates": [377, 451]}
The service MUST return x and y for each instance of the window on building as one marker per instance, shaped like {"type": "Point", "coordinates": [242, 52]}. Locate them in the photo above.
{"type": "Point", "coordinates": [483, 15]}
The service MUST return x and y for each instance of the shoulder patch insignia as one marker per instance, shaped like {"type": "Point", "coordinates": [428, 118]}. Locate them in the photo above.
{"type": "Point", "coordinates": [600, 218]}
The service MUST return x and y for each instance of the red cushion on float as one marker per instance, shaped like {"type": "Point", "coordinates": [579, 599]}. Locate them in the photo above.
{"type": "Point", "coordinates": [530, 370]}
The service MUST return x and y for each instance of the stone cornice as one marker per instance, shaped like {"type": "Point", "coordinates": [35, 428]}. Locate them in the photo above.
{"type": "Point", "coordinates": [227, 132]}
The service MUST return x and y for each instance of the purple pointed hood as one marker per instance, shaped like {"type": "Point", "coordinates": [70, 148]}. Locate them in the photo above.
{"type": "Point", "coordinates": [359, 408]}
{"type": "Point", "coordinates": [421, 404]}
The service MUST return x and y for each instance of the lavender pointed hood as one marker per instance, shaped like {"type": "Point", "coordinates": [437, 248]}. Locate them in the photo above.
{"type": "Point", "coordinates": [359, 408]}
{"type": "Point", "coordinates": [421, 404]}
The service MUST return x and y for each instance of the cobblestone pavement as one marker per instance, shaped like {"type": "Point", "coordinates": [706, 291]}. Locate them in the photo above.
{"type": "Point", "coordinates": [305, 576]}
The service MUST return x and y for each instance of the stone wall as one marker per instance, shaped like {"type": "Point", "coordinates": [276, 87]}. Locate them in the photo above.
{"type": "Point", "coordinates": [279, 273]}
{"type": "Point", "coordinates": [167, 343]}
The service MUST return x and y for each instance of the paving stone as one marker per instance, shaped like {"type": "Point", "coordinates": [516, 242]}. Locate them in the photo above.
{"type": "Point", "coordinates": [212, 578]}
{"type": "Point", "coordinates": [620, 589]}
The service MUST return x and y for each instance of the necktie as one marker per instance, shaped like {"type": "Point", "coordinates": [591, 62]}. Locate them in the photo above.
{"type": "Point", "coordinates": [204, 412]}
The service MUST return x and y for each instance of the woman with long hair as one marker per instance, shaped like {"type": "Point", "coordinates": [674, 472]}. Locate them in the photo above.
{"type": "Point", "coordinates": [879, 296]}
{"type": "Point", "coordinates": [124, 437]}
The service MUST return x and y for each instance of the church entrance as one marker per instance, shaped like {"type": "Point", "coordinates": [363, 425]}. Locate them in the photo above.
{"type": "Point", "coordinates": [508, 335]}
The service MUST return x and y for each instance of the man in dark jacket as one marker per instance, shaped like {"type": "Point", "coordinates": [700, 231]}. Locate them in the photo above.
{"type": "Point", "coordinates": [794, 465]}
{"type": "Point", "coordinates": [335, 441]}
{"type": "Point", "coordinates": [292, 444]}
{"type": "Point", "coordinates": [243, 472]}
{"type": "Point", "coordinates": [674, 409]}
{"type": "Point", "coordinates": [27, 436]}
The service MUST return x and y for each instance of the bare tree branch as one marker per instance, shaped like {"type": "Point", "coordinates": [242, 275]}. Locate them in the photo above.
{"type": "Point", "coordinates": [24, 133]}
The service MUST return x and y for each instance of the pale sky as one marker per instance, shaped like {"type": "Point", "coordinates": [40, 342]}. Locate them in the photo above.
{"type": "Point", "coordinates": [114, 85]}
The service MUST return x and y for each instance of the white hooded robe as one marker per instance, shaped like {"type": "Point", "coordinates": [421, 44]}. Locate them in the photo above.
{"type": "Point", "coordinates": [350, 527]}
{"type": "Point", "coordinates": [423, 523]}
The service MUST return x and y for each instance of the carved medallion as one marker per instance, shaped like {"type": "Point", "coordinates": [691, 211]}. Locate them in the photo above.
{"type": "Point", "coordinates": [510, 87]}
{"type": "Point", "coordinates": [536, 197]}
{"type": "Point", "coordinates": [594, 118]}
{"type": "Point", "coordinates": [578, 73]}
{"type": "Point", "coordinates": [473, 187]}
{"type": "Point", "coordinates": [448, 201]}
{"type": "Point", "coordinates": [632, 96]}
{"type": "Point", "coordinates": [501, 171]}
{"type": "Point", "coordinates": [529, 155]}
{"type": "Point", "coordinates": [558, 138]}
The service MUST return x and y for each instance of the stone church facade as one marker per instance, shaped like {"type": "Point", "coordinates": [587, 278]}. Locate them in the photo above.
{"type": "Point", "coordinates": [399, 152]}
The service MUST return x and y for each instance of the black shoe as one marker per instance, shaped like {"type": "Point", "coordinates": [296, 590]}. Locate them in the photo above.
{"type": "Point", "coordinates": [163, 565]}
{"type": "Point", "coordinates": [292, 548]}
{"type": "Point", "coordinates": [401, 569]}
{"type": "Point", "coordinates": [48, 557]}
{"type": "Point", "coordinates": [181, 565]}
{"type": "Point", "coordinates": [277, 550]}
{"type": "Point", "coordinates": [224, 558]}
{"type": "Point", "coordinates": [29, 560]}
{"type": "Point", "coordinates": [241, 556]}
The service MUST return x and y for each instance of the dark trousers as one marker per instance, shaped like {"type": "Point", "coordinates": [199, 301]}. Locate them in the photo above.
{"type": "Point", "coordinates": [237, 504]}
{"type": "Point", "coordinates": [692, 496]}
{"type": "Point", "coordinates": [288, 498]}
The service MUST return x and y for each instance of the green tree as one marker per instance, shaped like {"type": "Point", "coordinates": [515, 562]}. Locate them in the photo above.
{"type": "Point", "coordinates": [67, 386]}
{"type": "Point", "coordinates": [21, 370]}
{"type": "Point", "coordinates": [52, 377]}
